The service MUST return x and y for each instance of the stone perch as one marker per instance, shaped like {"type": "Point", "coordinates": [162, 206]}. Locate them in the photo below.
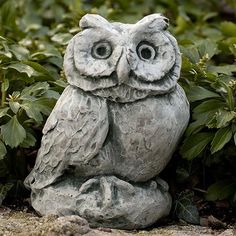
{"type": "Point", "coordinates": [115, 126]}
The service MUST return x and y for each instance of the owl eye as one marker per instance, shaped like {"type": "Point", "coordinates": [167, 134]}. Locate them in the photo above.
{"type": "Point", "coordinates": [101, 50]}
{"type": "Point", "coordinates": [146, 51]}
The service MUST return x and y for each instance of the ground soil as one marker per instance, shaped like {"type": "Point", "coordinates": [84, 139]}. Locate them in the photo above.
{"type": "Point", "coordinates": [25, 223]}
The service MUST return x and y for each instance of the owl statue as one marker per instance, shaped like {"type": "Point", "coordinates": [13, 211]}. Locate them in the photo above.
{"type": "Point", "coordinates": [115, 126]}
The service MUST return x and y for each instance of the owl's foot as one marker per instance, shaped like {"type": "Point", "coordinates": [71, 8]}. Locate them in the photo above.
{"type": "Point", "coordinates": [107, 201]}
{"type": "Point", "coordinates": [109, 187]}
{"type": "Point", "coordinates": [112, 202]}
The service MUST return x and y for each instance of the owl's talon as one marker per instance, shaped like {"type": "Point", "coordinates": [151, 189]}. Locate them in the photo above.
{"type": "Point", "coordinates": [162, 185]}
{"type": "Point", "coordinates": [129, 188]}
{"type": "Point", "coordinates": [107, 190]}
{"type": "Point", "coordinates": [88, 184]}
{"type": "Point", "coordinates": [153, 185]}
{"type": "Point", "coordinates": [108, 186]}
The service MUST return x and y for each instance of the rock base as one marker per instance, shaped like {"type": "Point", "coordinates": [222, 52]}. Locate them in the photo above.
{"type": "Point", "coordinates": [106, 201]}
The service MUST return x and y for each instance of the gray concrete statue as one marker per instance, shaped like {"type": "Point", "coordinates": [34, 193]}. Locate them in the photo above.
{"type": "Point", "coordinates": [115, 126]}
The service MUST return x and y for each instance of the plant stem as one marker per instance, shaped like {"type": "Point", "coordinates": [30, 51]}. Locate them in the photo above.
{"type": "Point", "coordinates": [3, 98]}
{"type": "Point", "coordinates": [4, 93]}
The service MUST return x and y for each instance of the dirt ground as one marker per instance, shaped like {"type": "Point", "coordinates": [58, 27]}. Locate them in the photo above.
{"type": "Point", "coordinates": [20, 223]}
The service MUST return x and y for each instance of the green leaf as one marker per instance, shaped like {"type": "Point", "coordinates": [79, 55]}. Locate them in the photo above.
{"type": "Point", "coordinates": [4, 188]}
{"type": "Point", "coordinates": [186, 210]}
{"type": "Point", "coordinates": [228, 28]}
{"type": "Point", "coordinates": [223, 117]}
{"type": "Point", "coordinates": [199, 93]}
{"type": "Point", "coordinates": [60, 83]}
{"type": "Point", "coordinates": [230, 96]}
{"type": "Point", "coordinates": [56, 61]}
{"type": "Point", "coordinates": [191, 53]}
{"type": "Point", "coordinates": [36, 90]}
{"type": "Point", "coordinates": [208, 47]}
{"type": "Point", "coordinates": [8, 14]}
{"type": "Point", "coordinates": [5, 85]}
{"type": "Point", "coordinates": [19, 52]}
{"type": "Point", "coordinates": [45, 105]}
{"type": "Point", "coordinates": [37, 67]}
{"type": "Point", "coordinates": [32, 111]}
{"type": "Point", "coordinates": [62, 38]}
{"type": "Point", "coordinates": [4, 171]}
{"type": "Point", "coordinates": [6, 54]}
{"type": "Point", "coordinates": [226, 69]}
{"type": "Point", "coordinates": [230, 99]}
{"type": "Point", "coordinates": [210, 15]}
{"type": "Point", "coordinates": [209, 105]}
{"type": "Point", "coordinates": [3, 111]}
{"type": "Point", "coordinates": [22, 68]}
{"type": "Point", "coordinates": [15, 106]}
{"type": "Point", "coordinates": [13, 132]}
{"type": "Point", "coordinates": [207, 110]}
{"type": "Point", "coordinates": [2, 38]}
{"type": "Point", "coordinates": [222, 137]}
{"type": "Point", "coordinates": [195, 127]}
{"type": "Point", "coordinates": [3, 150]}
{"type": "Point", "coordinates": [195, 144]}
{"type": "Point", "coordinates": [29, 141]}
{"type": "Point", "coordinates": [181, 174]}
{"type": "Point", "coordinates": [52, 94]}
{"type": "Point", "coordinates": [221, 190]}
{"type": "Point", "coordinates": [49, 51]}
{"type": "Point", "coordinates": [182, 24]}
{"type": "Point", "coordinates": [235, 139]}
{"type": "Point", "coordinates": [186, 64]}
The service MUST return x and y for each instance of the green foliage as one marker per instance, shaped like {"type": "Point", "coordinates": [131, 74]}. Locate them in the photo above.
{"type": "Point", "coordinates": [31, 82]}
{"type": "Point", "coordinates": [208, 76]}
{"type": "Point", "coordinates": [195, 144]}
{"type": "Point", "coordinates": [221, 190]}
{"type": "Point", "coordinates": [33, 37]}
{"type": "Point", "coordinates": [4, 188]}
{"type": "Point", "coordinates": [185, 209]}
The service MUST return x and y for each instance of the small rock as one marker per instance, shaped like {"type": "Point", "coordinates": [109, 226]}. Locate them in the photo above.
{"type": "Point", "coordinates": [228, 232]}
{"type": "Point", "coordinates": [215, 223]}
{"type": "Point", "coordinates": [4, 211]}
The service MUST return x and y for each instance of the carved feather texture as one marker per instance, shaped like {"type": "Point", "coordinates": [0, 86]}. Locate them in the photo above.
{"type": "Point", "coordinates": [74, 133]}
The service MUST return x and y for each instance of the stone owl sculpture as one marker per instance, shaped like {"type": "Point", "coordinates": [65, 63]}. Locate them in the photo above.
{"type": "Point", "coordinates": [115, 126]}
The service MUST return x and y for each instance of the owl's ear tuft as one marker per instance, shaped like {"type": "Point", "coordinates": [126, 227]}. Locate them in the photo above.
{"type": "Point", "coordinates": [93, 21]}
{"type": "Point", "coordinates": [153, 21]}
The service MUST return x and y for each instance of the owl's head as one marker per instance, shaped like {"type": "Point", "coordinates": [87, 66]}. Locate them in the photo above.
{"type": "Point", "coordinates": [143, 56]}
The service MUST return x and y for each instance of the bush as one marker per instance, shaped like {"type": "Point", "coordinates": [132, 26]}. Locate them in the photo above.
{"type": "Point", "coordinates": [33, 37]}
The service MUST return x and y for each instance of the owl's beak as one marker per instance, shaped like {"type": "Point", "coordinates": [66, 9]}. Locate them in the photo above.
{"type": "Point", "coordinates": [123, 69]}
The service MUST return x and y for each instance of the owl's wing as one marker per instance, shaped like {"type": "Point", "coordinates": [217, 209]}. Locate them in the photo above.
{"type": "Point", "coordinates": [78, 127]}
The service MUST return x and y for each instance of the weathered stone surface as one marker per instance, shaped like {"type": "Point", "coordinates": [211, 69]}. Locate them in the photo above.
{"type": "Point", "coordinates": [106, 200]}
{"type": "Point", "coordinates": [114, 128]}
